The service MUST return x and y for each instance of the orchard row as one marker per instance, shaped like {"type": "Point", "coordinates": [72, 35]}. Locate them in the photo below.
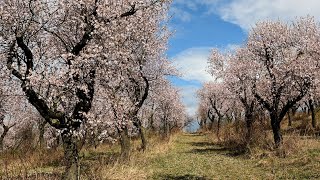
{"type": "Point", "coordinates": [275, 72]}
{"type": "Point", "coordinates": [93, 70]}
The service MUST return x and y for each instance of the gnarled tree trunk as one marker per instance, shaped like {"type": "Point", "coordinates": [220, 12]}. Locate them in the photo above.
{"type": "Point", "coordinates": [125, 144]}
{"type": "Point", "coordinates": [276, 129]}
{"type": "Point", "coordinates": [218, 127]}
{"type": "Point", "coordinates": [71, 155]}
{"type": "Point", "coordinates": [249, 122]}
{"type": "Point", "coordinates": [211, 118]}
{"type": "Point", "coordinates": [289, 119]}
{"type": "Point", "coordinates": [5, 131]}
{"type": "Point", "coordinates": [313, 114]}
{"type": "Point", "coordinates": [41, 128]}
{"type": "Point", "coordinates": [166, 129]}
{"type": "Point", "coordinates": [144, 142]}
{"type": "Point", "coordinates": [142, 134]}
{"type": "Point", "coordinates": [4, 134]}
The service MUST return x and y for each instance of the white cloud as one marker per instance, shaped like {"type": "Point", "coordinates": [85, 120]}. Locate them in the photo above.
{"type": "Point", "coordinates": [189, 98]}
{"type": "Point", "coordinates": [192, 63]}
{"type": "Point", "coordinates": [246, 13]}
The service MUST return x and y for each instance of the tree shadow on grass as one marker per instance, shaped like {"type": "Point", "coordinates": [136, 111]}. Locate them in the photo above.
{"type": "Point", "coordinates": [212, 148]}
{"type": "Point", "coordinates": [182, 177]}
{"type": "Point", "coordinates": [193, 134]}
{"type": "Point", "coordinates": [224, 151]}
{"type": "Point", "coordinates": [201, 144]}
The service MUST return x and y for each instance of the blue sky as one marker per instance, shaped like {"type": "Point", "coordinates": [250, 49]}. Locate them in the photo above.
{"type": "Point", "coordinates": [201, 25]}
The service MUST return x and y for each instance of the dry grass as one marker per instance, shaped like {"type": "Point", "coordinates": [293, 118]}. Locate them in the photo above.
{"type": "Point", "coordinates": [297, 158]}
{"type": "Point", "coordinates": [17, 164]}
{"type": "Point", "coordinates": [301, 159]}
{"type": "Point", "coordinates": [137, 166]}
{"type": "Point", "coordinates": [185, 156]}
{"type": "Point", "coordinates": [102, 162]}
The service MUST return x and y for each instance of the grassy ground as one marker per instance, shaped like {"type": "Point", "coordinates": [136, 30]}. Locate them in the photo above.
{"type": "Point", "coordinates": [195, 156]}
{"type": "Point", "coordinates": [186, 156]}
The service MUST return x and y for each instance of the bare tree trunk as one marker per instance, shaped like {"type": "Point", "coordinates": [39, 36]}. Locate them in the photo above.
{"type": "Point", "coordinates": [71, 155]}
{"type": "Point", "coordinates": [218, 128]}
{"type": "Point", "coordinates": [211, 118]}
{"type": "Point", "coordinates": [82, 141]}
{"type": "Point", "coordinates": [1, 143]}
{"type": "Point", "coordinates": [125, 144]}
{"type": "Point", "coordinates": [144, 142]}
{"type": "Point", "coordinates": [151, 119]}
{"type": "Point", "coordinates": [41, 127]}
{"type": "Point", "coordinates": [166, 129]}
{"type": "Point", "coordinates": [277, 115]}
{"type": "Point", "coordinates": [289, 119]}
{"type": "Point", "coordinates": [237, 122]}
{"type": "Point", "coordinates": [3, 135]}
{"type": "Point", "coordinates": [202, 124]}
{"type": "Point", "coordinates": [211, 126]}
{"type": "Point", "coordinates": [277, 136]}
{"type": "Point", "coordinates": [142, 134]}
{"type": "Point", "coordinates": [249, 121]}
{"type": "Point", "coordinates": [313, 114]}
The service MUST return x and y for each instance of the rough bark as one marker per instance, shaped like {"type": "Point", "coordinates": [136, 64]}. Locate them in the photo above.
{"type": "Point", "coordinates": [202, 123]}
{"type": "Point", "coordinates": [151, 120]}
{"type": "Point", "coordinates": [125, 144]}
{"type": "Point", "coordinates": [144, 142]}
{"type": "Point", "coordinates": [72, 169]}
{"type": "Point", "coordinates": [277, 136]}
{"type": "Point", "coordinates": [220, 116]}
{"type": "Point", "coordinates": [289, 119]}
{"type": "Point", "coordinates": [142, 134]}
{"type": "Point", "coordinates": [211, 126]}
{"type": "Point", "coordinates": [211, 117]}
{"type": "Point", "coordinates": [1, 144]}
{"type": "Point", "coordinates": [249, 122]}
{"type": "Point", "coordinates": [218, 127]}
{"type": "Point", "coordinates": [141, 100]}
{"type": "Point", "coordinates": [41, 129]}
{"type": "Point", "coordinates": [313, 113]}
{"type": "Point", "coordinates": [4, 134]}
{"type": "Point", "coordinates": [166, 129]}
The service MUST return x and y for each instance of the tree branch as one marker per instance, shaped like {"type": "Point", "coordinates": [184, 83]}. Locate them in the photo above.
{"type": "Point", "coordinates": [27, 53]}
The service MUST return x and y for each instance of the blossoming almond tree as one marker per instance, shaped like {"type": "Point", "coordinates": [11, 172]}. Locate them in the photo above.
{"type": "Point", "coordinates": [63, 45]}
{"type": "Point", "coordinates": [130, 73]}
{"type": "Point", "coordinates": [286, 57]}
{"type": "Point", "coordinates": [219, 99]}
{"type": "Point", "coordinates": [237, 71]}
{"type": "Point", "coordinates": [205, 113]}
{"type": "Point", "coordinates": [5, 127]}
{"type": "Point", "coordinates": [15, 115]}
{"type": "Point", "coordinates": [170, 113]}
{"type": "Point", "coordinates": [278, 67]}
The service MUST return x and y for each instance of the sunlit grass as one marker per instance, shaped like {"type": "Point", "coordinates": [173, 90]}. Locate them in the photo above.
{"type": "Point", "coordinates": [185, 156]}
